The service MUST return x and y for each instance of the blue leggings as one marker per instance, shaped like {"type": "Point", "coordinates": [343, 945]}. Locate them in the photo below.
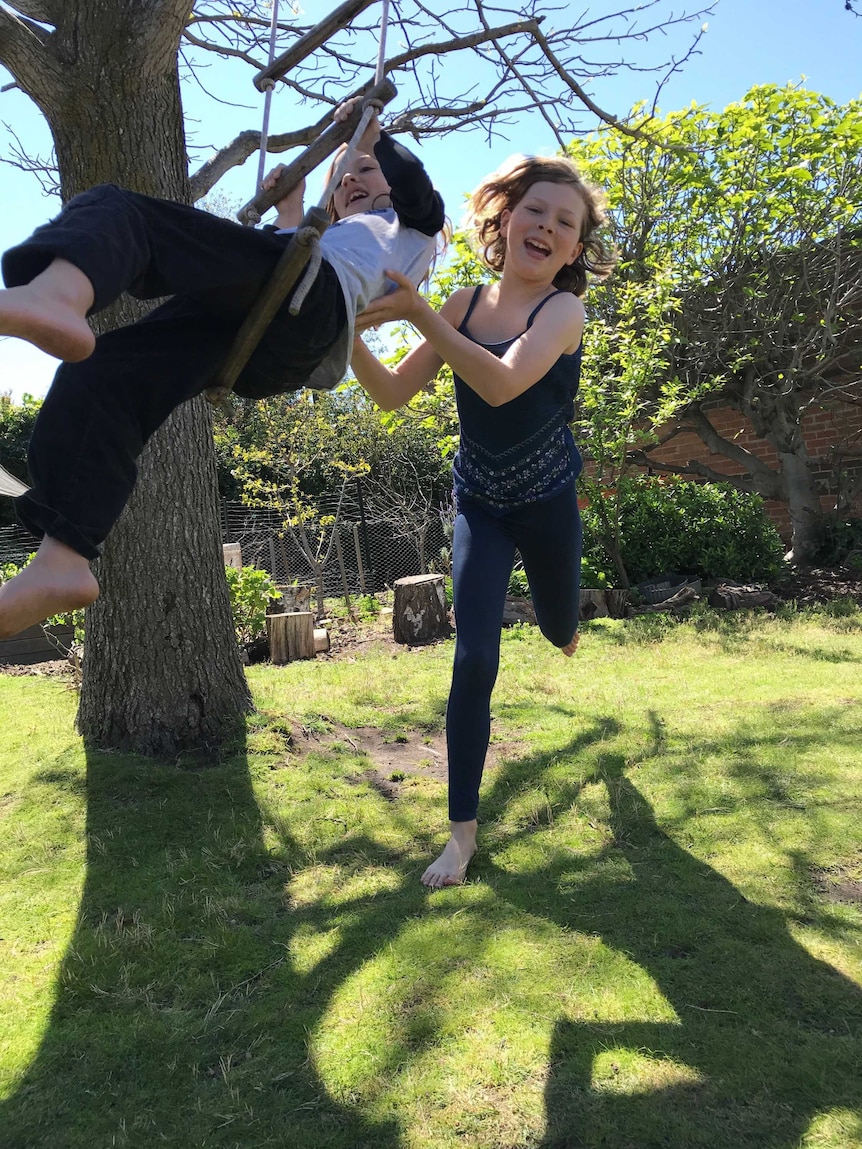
{"type": "Point", "coordinates": [548, 535]}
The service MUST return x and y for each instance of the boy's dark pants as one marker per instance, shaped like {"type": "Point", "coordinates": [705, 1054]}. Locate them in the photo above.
{"type": "Point", "coordinates": [99, 413]}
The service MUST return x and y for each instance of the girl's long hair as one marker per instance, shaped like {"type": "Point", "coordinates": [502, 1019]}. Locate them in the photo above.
{"type": "Point", "coordinates": [506, 187]}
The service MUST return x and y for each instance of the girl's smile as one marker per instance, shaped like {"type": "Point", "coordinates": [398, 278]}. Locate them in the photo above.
{"type": "Point", "coordinates": [546, 225]}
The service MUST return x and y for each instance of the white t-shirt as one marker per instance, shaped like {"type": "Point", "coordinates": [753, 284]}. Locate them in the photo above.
{"type": "Point", "coordinates": [360, 248]}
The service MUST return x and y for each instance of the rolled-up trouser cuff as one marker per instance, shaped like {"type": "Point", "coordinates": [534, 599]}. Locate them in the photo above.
{"type": "Point", "coordinates": [41, 520]}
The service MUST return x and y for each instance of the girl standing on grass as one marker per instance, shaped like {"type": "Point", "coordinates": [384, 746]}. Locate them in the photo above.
{"type": "Point", "coordinates": [514, 347]}
{"type": "Point", "coordinates": [112, 393]}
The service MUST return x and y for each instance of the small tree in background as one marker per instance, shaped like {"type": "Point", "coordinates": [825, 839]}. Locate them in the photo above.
{"type": "Point", "coordinates": [755, 214]}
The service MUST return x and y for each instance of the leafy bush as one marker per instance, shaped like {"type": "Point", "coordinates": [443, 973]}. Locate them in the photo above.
{"type": "Point", "coordinates": [705, 529]}
{"type": "Point", "coordinates": [518, 585]}
{"type": "Point", "coordinates": [251, 590]}
{"type": "Point", "coordinates": [842, 542]}
{"type": "Point", "coordinates": [595, 577]}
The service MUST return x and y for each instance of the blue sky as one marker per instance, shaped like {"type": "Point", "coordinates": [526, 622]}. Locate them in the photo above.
{"type": "Point", "coordinates": [748, 42]}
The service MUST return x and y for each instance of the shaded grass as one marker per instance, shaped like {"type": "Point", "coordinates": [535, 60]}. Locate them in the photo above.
{"type": "Point", "coordinates": [238, 952]}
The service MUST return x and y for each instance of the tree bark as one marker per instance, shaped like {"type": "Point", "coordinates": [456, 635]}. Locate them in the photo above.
{"type": "Point", "coordinates": [162, 672]}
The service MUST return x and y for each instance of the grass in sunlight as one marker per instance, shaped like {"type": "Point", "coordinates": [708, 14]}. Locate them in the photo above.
{"type": "Point", "coordinates": [660, 944]}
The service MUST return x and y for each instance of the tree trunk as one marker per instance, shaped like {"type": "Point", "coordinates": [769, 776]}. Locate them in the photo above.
{"type": "Point", "coordinates": [803, 503]}
{"type": "Point", "coordinates": [162, 671]}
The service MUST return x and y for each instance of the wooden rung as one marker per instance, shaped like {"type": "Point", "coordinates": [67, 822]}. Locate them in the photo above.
{"type": "Point", "coordinates": [287, 271]}
{"type": "Point", "coordinates": [325, 144]}
{"type": "Point", "coordinates": [312, 39]}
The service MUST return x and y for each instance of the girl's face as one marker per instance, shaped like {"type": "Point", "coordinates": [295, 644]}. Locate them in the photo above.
{"type": "Point", "coordinates": [543, 230]}
{"type": "Point", "coordinates": [362, 188]}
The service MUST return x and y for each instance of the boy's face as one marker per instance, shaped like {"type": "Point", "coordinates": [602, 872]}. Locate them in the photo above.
{"type": "Point", "coordinates": [362, 188]}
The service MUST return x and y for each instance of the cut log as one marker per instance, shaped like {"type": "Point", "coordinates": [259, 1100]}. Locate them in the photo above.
{"type": "Point", "coordinates": [733, 597]}
{"type": "Point", "coordinates": [593, 604]}
{"type": "Point", "coordinates": [291, 636]}
{"type": "Point", "coordinates": [321, 639]}
{"type": "Point", "coordinates": [618, 601]}
{"type": "Point", "coordinates": [420, 613]}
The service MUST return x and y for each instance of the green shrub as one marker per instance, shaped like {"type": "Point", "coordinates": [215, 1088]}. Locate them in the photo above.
{"type": "Point", "coordinates": [595, 577]}
{"type": "Point", "coordinates": [251, 590]}
{"type": "Point", "coordinates": [709, 530]}
{"type": "Point", "coordinates": [518, 585]}
{"type": "Point", "coordinates": [842, 542]}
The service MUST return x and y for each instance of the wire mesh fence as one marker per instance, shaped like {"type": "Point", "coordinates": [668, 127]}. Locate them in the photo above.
{"type": "Point", "coordinates": [344, 546]}
{"type": "Point", "coordinates": [16, 545]}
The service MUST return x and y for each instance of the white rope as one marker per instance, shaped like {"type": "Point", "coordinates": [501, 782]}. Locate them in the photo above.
{"type": "Point", "coordinates": [381, 45]}
{"type": "Point", "coordinates": [371, 107]}
{"type": "Point", "coordinates": [269, 87]}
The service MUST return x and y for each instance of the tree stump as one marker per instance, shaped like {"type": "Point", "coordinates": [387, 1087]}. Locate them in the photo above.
{"type": "Point", "coordinates": [291, 636]}
{"type": "Point", "coordinates": [420, 613]}
{"type": "Point", "coordinates": [594, 604]}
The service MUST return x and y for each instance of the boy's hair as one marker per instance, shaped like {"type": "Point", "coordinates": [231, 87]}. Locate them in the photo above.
{"type": "Point", "coordinates": [507, 186]}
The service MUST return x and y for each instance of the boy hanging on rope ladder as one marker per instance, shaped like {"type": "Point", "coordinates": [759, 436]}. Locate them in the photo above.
{"type": "Point", "coordinates": [112, 393]}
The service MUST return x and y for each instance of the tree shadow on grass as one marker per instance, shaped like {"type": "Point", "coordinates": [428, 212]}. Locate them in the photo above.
{"type": "Point", "coordinates": [765, 1037]}
{"type": "Point", "coordinates": [180, 1017]}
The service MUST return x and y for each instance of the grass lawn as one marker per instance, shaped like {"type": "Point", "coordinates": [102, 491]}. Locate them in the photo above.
{"type": "Point", "coordinates": [660, 944]}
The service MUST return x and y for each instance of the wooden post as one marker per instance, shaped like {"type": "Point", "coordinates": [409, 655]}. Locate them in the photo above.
{"type": "Point", "coordinates": [359, 565]}
{"type": "Point", "coordinates": [232, 555]}
{"type": "Point", "coordinates": [291, 636]}
{"type": "Point", "coordinates": [420, 609]}
{"type": "Point", "coordinates": [340, 555]}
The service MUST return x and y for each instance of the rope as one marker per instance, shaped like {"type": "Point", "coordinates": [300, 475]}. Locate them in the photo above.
{"type": "Point", "coordinates": [308, 237]}
{"type": "Point", "coordinates": [269, 88]}
{"type": "Point", "coordinates": [371, 106]}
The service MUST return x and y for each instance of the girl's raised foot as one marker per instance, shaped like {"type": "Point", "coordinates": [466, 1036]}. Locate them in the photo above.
{"type": "Point", "coordinates": [57, 580]}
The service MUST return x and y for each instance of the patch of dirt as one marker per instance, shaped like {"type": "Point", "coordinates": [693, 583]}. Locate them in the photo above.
{"type": "Point", "coordinates": [814, 585]}
{"type": "Point", "coordinates": [54, 668]}
{"type": "Point", "coordinates": [840, 883]}
{"type": "Point", "coordinates": [394, 757]}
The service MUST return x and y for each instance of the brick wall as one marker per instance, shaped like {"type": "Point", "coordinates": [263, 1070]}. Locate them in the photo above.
{"type": "Point", "coordinates": [829, 430]}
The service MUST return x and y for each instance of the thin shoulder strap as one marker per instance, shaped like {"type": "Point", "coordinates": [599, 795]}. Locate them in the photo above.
{"type": "Point", "coordinates": [474, 300]}
{"type": "Point", "coordinates": [540, 305]}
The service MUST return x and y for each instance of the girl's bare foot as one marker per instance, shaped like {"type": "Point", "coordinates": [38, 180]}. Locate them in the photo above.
{"type": "Point", "coordinates": [58, 579]}
{"type": "Point", "coordinates": [450, 868]}
{"type": "Point", "coordinates": [570, 647]}
{"type": "Point", "coordinates": [50, 312]}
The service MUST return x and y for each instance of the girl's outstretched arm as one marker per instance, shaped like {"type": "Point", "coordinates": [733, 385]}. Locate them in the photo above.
{"type": "Point", "coordinates": [392, 387]}
{"type": "Point", "coordinates": [558, 329]}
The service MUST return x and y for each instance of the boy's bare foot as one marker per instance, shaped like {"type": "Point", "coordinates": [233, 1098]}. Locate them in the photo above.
{"type": "Point", "coordinates": [451, 867]}
{"type": "Point", "coordinates": [570, 647]}
{"type": "Point", "coordinates": [58, 579]}
{"type": "Point", "coordinates": [50, 312]}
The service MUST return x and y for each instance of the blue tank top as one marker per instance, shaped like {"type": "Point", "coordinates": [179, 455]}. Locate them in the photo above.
{"type": "Point", "coordinates": [522, 452]}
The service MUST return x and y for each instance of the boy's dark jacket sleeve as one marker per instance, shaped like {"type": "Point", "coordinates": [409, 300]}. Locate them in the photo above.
{"type": "Point", "coordinates": [414, 199]}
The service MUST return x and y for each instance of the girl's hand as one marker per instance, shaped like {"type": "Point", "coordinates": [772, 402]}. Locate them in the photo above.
{"type": "Point", "coordinates": [289, 208]}
{"type": "Point", "coordinates": [404, 303]}
{"type": "Point", "coordinates": [372, 130]}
